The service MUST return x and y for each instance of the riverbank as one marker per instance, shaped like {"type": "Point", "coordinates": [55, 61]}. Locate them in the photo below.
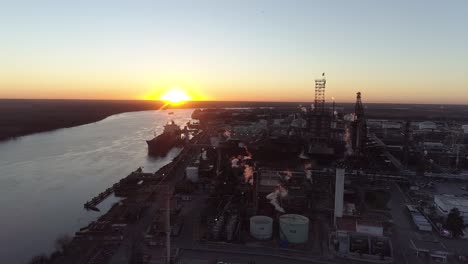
{"type": "Point", "coordinates": [24, 117]}
{"type": "Point", "coordinates": [124, 225]}
{"type": "Point", "coordinates": [56, 172]}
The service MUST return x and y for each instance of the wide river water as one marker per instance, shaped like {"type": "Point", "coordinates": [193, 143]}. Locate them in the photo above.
{"type": "Point", "coordinates": [46, 178]}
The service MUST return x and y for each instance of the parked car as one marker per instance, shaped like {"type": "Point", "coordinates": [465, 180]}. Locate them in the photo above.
{"type": "Point", "coordinates": [445, 233]}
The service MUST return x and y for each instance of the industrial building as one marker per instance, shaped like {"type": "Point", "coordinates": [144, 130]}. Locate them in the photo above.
{"type": "Point", "coordinates": [435, 250]}
{"type": "Point", "coordinates": [361, 240]}
{"type": "Point", "coordinates": [427, 125]}
{"type": "Point", "coordinates": [419, 220]}
{"type": "Point", "coordinates": [465, 129]}
{"type": "Point", "coordinates": [446, 202]}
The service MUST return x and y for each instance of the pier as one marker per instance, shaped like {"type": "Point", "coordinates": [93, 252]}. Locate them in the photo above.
{"type": "Point", "coordinates": [92, 205]}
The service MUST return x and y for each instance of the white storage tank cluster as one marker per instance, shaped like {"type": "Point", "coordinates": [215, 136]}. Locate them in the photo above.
{"type": "Point", "coordinates": [294, 228]}
{"type": "Point", "coordinates": [261, 227]}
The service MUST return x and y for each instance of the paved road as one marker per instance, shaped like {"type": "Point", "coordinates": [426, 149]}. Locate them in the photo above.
{"type": "Point", "coordinates": [402, 226]}
{"type": "Point", "coordinates": [195, 256]}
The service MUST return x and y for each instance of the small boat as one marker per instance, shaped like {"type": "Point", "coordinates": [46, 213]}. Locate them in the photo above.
{"type": "Point", "coordinates": [170, 113]}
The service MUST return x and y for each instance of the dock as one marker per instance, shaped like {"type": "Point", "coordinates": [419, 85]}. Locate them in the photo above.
{"type": "Point", "coordinates": [92, 205]}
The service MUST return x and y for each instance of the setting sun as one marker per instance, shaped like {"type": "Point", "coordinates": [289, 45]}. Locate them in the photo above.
{"type": "Point", "coordinates": [175, 96]}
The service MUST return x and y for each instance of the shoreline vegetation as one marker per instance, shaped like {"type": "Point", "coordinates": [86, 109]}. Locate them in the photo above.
{"type": "Point", "coordinates": [20, 117]}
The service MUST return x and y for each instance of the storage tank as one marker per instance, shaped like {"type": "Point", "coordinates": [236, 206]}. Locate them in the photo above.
{"type": "Point", "coordinates": [294, 228]}
{"type": "Point", "coordinates": [261, 227]}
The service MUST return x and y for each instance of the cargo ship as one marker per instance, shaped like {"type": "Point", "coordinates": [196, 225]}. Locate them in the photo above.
{"type": "Point", "coordinates": [170, 138]}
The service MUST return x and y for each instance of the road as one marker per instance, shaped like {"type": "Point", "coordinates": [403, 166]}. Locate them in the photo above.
{"type": "Point", "coordinates": [402, 228]}
{"type": "Point", "coordinates": [190, 256]}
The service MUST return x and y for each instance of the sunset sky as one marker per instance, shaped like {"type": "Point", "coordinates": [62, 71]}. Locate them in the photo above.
{"type": "Point", "coordinates": [391, 51]}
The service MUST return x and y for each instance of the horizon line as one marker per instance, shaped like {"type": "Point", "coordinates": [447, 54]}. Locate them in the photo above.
{"type": "Point", "coordinates": [225, 101]}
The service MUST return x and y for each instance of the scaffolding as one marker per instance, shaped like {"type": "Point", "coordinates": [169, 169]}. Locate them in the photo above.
{"type": "Point", "coordinates": [319, 104]}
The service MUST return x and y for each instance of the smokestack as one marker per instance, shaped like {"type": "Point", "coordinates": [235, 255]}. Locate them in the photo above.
{"type": "Point", "coordinates": [333, 108]}
{"type": "Point", "coordinates": [333, 123]}
{"type": "Point", "coordinates": [339, 191]}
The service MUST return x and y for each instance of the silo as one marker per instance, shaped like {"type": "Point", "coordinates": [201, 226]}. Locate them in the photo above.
{"type": "Point", "coordinates": [294, 228]}
{"type": "Point", "coordinates": [261, 227]}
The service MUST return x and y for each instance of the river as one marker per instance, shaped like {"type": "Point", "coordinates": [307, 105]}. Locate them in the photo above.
{"type": "Point", "coordinates": [46, 178]}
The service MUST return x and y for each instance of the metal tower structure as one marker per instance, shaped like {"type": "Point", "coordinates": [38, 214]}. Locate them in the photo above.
{"type": "Point", "coordinates": [359, 127]}
{"type": "Point", "coordinates": [318, 118]}
{"type": "Point", "coordinates": [319, 104]}
{"type": "Point", "coordinates": [358, 109]}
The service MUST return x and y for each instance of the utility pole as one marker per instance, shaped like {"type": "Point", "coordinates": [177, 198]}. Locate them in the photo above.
{"type": "Point", "coordinates": [168, 225]}
{"type": "Point", "coordinates": [457, 146]}
{"type": "Point", "coordinates": [407, 140]}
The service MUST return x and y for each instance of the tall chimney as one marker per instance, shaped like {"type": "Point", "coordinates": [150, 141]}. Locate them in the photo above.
{"type": "Point", "coordinates": [339, 190]}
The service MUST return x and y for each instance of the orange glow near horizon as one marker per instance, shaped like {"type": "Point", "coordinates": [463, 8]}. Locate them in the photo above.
{"type": "Point", "coordinates": [175, 96]}
{"type": "Point", "coordinates": [374, 91]}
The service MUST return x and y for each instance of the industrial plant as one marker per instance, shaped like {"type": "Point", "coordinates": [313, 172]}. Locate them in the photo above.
{"type": "Point", "coordinates": [314, 182]}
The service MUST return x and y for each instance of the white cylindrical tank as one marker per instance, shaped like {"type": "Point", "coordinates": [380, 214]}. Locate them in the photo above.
{"type": "Point", "coordinates": [261, 227]}
{"type": "Point", "coordinates": [294, 228]}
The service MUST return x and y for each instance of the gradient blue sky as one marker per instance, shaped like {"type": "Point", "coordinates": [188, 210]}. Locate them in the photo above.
{"type": "Point", "coordinates": [391, 51]}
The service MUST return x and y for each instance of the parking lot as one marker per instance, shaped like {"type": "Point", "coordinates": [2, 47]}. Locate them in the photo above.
{"type": "Point", "coordinates": [424, 196]}
{"type": "Point", "coordinates": [455, 188]}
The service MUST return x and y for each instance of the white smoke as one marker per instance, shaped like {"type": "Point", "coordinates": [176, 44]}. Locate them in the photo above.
{"type": "Point", "coordinates": [349, 146]}
{"type": "Point", "coordinates": [248, 174]}
{"type": "Point", "coordinates": [273, 198]}
{"type": "Point", "coordinates": [279, 192]}
{"type": "Point", "coordinates": [234, 162]}
{"type": "Point", "coordinates": [308, 170]}
{"type": "Point", "coordinates": [283, 192]}
{"type": "Point", "coordinates": [309, 175]}
{"type": "Point", "coordinates": [249, 155]}
{"type": "Point", "coordinates": [204, 154]}
{"type": "Point", "coordinates": [227, 134]}
{"type": "Point", "coordinates": [350, 117]}
{"type": "Point", "coordinates": [287, 175]}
